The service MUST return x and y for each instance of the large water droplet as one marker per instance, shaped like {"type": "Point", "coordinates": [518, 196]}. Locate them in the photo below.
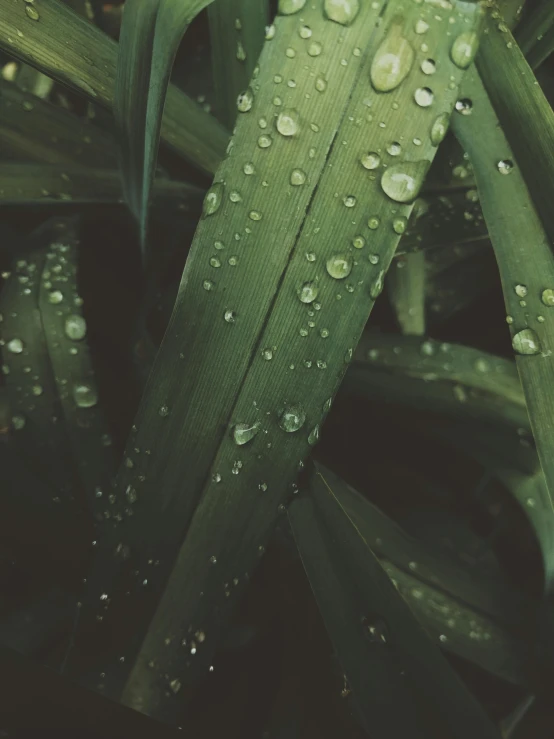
{"type": "Point", "coordinates": [245, 100]}
{"type": "Point", "coordinates": [75, 327]}
{"type": "Point", "coordinates": [288, 122]}
{"type": "Point", "coordinates": [85, 396]}
{"type": "Point", "coordinates": [424, 97]}
{"type": "Point", "coordinates": [245, 432]}
{"type": "Point", "coordinates": [308, 292]}
{"type": "Point", "coordinates": [55, 297]}
{"type": "Point", "coordinates": [526, 342]}
{"type": "Point", "coordinates": [289, 7]}
{"type": "Point", "coordinates": [213, 199]}
{"type": "Point", "coordinates": [292, 418]}
{"type": "Point", "coordinates": [439, 129]}
{"type": "Point", "coordinates": [547, 297]}
{"type": "Point", "coordinates": [392, 62]}
{"type": "Point", "coordinates": [402, 182]}
{"type": "Point", "coordinates": [339, 266]}
{"type": "Point", "coordinates": [464, 49]}
{"type": "Point", "coordinates": [341, 11]}
{"type": "Point", "coordinates": [15, 346]}
{"type": "Point", "coordinates": [297, 177]}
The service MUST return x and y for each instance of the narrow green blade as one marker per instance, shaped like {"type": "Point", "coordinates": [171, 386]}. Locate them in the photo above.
{"type": "Point", "coordinates": [406, 290]}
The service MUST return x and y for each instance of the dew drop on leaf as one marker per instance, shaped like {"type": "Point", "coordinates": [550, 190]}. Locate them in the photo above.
{"type": "Point", "coordinates": [371, 160]}
{"type": "Point", "coordinates": [505, 166]}
{"type": "Point", "coordinates": [402, 182]}
{"type": "Point", "coordinates": [339, 266]}
{"type": "Point", "coordinates": [308, 292]}
{"type": "Point", "coordinates": [297, 177]}
{"type": "Point", "coordinates": [547, 297]}
{"type": "Point", "coordinates": [464, 49]}
{"type": "Point", "coordinates": [341, 11]}
{"type": "Point", "coordinates": [526, 342]}
{"type": "Point", "coordinates": [424, 97]}
{"type": "Point", "coordinates": [392, 62]}
{"type": "Point", "coordinates": [292, 418]}
{"type": "Point", "coordinates": [85, 395]}
{"type": "Point", "coordinates": [245, 101]}
{"type": "Point", "coordinates": [289, 7]}
{"type": "Point", "coordinates": [75, 327]}
{"type": "Point", "coordinates": [288, 122]}
{"type": "Point", "coordinates": [212, 200]}
{"type": "Point", "coordinates": [439, 129]}
{"type": "Point", "coordinates": [245, 432]}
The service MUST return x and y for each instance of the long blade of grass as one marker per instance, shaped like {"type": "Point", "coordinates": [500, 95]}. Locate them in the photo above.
{"type": "Point", "coordinates": [406, 290]}
{"type": "Point", "coordinates": [46, 184]}
{"type": "Point", "coordinates": [276, 250]}
{"type": "Point", "coordinates": [60, 43]}
{"type": "Point", "coordinates": [32, 129]}
{"type": "Point", "coordinates": [149, 39]}
{"type": "Point", "coordinates": [355, 596]}
{"type": "Point", "coordinates": [237, 31]}
{"type": "Point", "coordinates": [524, 256]}
{"type": "Point", "coordinates": [535, 35]}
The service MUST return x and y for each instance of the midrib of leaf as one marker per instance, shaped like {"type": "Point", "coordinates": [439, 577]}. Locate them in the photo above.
{"type": "Point", "coordinates": [237, 30]}
{"type": "Point", "coordinates": [524, 256]}
{"type": "Point", "coordinates": [74, 52]}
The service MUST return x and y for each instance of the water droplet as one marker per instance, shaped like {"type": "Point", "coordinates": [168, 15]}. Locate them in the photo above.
{"type": "Point", "coordinates": [439, 129]}
{"type": "Point", "coordinates": [321, 84]}
{"type": "Point", "coordinates": [349, 201]}
{"type": "Point", "coordinates": [175, 685]}
{"type": "Point", "coordinates": [313, 436]}
{"type": "Point", "coordinates": [428, 66]}
{"type": "Point", "coordinates": [394, 148]}
{"type": "Point", "coordinates": [305, 32]}
{"type": "Point", "coordinates": [371, 160]}
{"type": "Point", "coordinates": [358, 242]}
{"type": "Point", "coordinates": [267, 354]}
{"type": "Point", "coordinates": [163, 411]}
{"type": "Point", "coordinates": [230, 316]}
{"type": "Point", "coordinates": [245, 432]}
{"type": "Point", "coordinates": [547, 297]}
{"type": "Point", "coordinates": [520, 291]}
{"type": "Point", "coordinates": [464, 49]}
{"type": "Point", "coordinates": [402, 182]}
{"type": "Point", "coordinates": [424, 97]}
{"type": "Point", "coordinates": [55, 297]}
{"type": "Point", "coordinates": [215, 262]}
{"type": "Point", "coordinates": [289, 7]}
{"type": "Point", "coordinates": [288, 122]}
{"type": "Point", "coordinates": [373, 259]}
{"type": "Point", "coordinates": [85, 396]}
{"type": "Point", "coordinates": [377, 286]}
{"type": "Point", "coordinates": [270, 32]}
{"type": "Point", "coordinates": [399, 225]}
{"type": "Point", "coordinates": [526, 342]}
{"type": "Point", "coordinates": [392, 62]}
{"type": "Point", "coordinates": [341, 11]}
{"type": "Point", "coordinates": [292, 418]}
{"type": "Point", "coordinates": [18, 421]}
{"type": "Point", "coordinates": [376, 629]}
{"type": "Point", "coordinates": [297, 177]}
{"type": "Point", "coordinates": [315, 48]}
{"type": "Point", "coordinates": [373, 223]}
{"type": "Point", "coordinates": [265, 141]}
{"type": "Point", "coordinates": [308, 292]}
{"type": "Point", "coordinates": [15, 346]}
{"type": "Point", "coordinates": [339, 266]}
{"type": "Point", "coordinates": [208, 285]}
{"type": "Point", "coordinates": [75, 327]}
{"type": "Point", "coordinates": [32, 12]}
{"type": "Point", "coordinates": [245, 101]}
{"type": "Point", "coordinates": [216, 477]}
{"type": "Point", "coordinates": [530, 502]}
{"type": "Point", "coordinates": [262, 486]}
{"type": "Point", "coordinates": [310, 256]}
{"type": "Point", "coordinates": [421, 26]}
{"type": "Point", "coordinates": [255, 215]}
{"type": "Point", "coordinates": [505, 166]}
{"type": "Point", "coordinates": [324, 333]}
{"type": "Point", "coordinates": [213, 199]}
{"type": "Point", "coordinates": [131, 494]}
{"type": "Point", "coordinates": [290, 53]}
{"type": "Point", "coordinates": [464, 106]}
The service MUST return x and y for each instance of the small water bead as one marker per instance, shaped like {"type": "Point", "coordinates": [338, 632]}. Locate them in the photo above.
{"type": "Point", "coordinates": [245, 101]}
{"type": "Point", "coordinates": [55, 297]}
{"type": "Point", "coordinates": [520, 291]}
{"type": "Point", "coordinates": [219, 245]}
{"type": "Point", "coordinates": [15, 346]}
{"type": "Point", "coordinates": [321, 84]}
{"type": "Point", "coordinates": [315, 48]}
{"type": "Point", "coordinates": [439, 129]}
{"type": "Point", "coordinates": [505, 166]}
{"type": "Point", "coordinates": [32, 12]}
{"type": "Point", "coordinates": [424, 97]}
{"type": "Point", "coordinates": [402, 182]}
{"type": "Point", "coordinates": [526, 342]}
{"type": "Point", "coordinates": [377, 286]}
{"type": "Point", "coordinates": [262, 486]}
{"type": "Point", "coordinates": [235, 196]}
{"type": "Point", "coordinates": [215, 262]}
{"type": "Point", "coordinates": [255, 215]}
{"type": "Point", "coordinates": [547, 297]}
{"type": "Point", "coordinates": [339, 266]}
{"type": "Point", "coordinates": [292, 418]}
{"type": "Point", "coordinates": [349, 201]}
{"type": "Point", "coordinates": [373, 259]}
{"type": "Point", "coordinates": [341, 11]}
{"type": "Point", "coordinates": [288, 122]}
{"type": "Point", "coordinates": [308, 292]}
{"type": "Point", "coordinates": [216, 477]}
{"type": "Point", "coordinates": [75, 327]}
{"type": "Point", "coordinates": [399, 225]}
{"type": "Point", "coordinates": [248, 168]}
{"type": "Point", "coordinates": [540, 319]}
{"type": "Point", "coordinates": [376, 630]}
{"type": "Point", "coordinates": [229, 316]}
{"type": "Point", "coordinates": [289, 7]}
{"type": "Point", "coordinates": [37, 390]}
{"type": "Point", "coordinates": [305, 32]}
{"type": "Point", "coordinates": [233, 261]}
{"type": "Point", "coordinates": [18, 422]}
{"type": "Point", "coordinates": [464, 49]}
{"type": "Point", "coordinates": [265, 141]}
{"type": "Point", "coordinates": [290, 52]}
{"type": "Point", "coordinates": [245, 432]}
{"type": "Point", "coordinates": [421, 26]}
{"type": "Point", "coordinates": [428, 66]}
{"type": "Point", "coordinates": [313, 436]}
{"type": "Point", "coordinates": [267, 354]}
{"type": "Point", "coordinates": [394, 149]}
{"type": "Point", "coordinates": [297, 177]}
{"type": "Point", "coordinates": [208, 285]}
{"type": "Point", "coordinates": [321, 364]}
{"type": "Point", "coordinates": [324, 333]}
{"type": "Point", "coordinates": [464, 106]}
{"type": "Point", "coordinates": [373, 223]}
{"type": "Point", "coordinates": [303, 332]}
{"type": "Point", "coordinates": [392, 62]}
{"type": "Point", "coordinates": [213, 198]}
{"type": "Point", "coordinates": [371, 160]}
{"type": "Point", "coordinates": [241, 53]}
{"type": "Point", "coordinates": [358, 242]}
{"type": "Point", "coordinates": [84, 395]}
{"type": "Point", "coordinates": [310, 256]}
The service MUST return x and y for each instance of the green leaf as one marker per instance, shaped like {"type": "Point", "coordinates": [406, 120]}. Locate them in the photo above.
{"type": "Point", "coordinates": [535, 35]}
{"type": "Point", "coordinates": [46, 184]}
{"type": "Point", "coordinates": [275, 245]}
{"type": "Point", "coordinates": [385, 653]}
{"type": "Point", "coordinates": [237, 31]}
{"type": "Point", "coordinates": [149, 39]}
{"type": "Point", "coordinates": [523, 252]}
{"type": "Point", "coordinates": [406, 290]}
{"type": "Point", "coordinates": [72, 51]}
